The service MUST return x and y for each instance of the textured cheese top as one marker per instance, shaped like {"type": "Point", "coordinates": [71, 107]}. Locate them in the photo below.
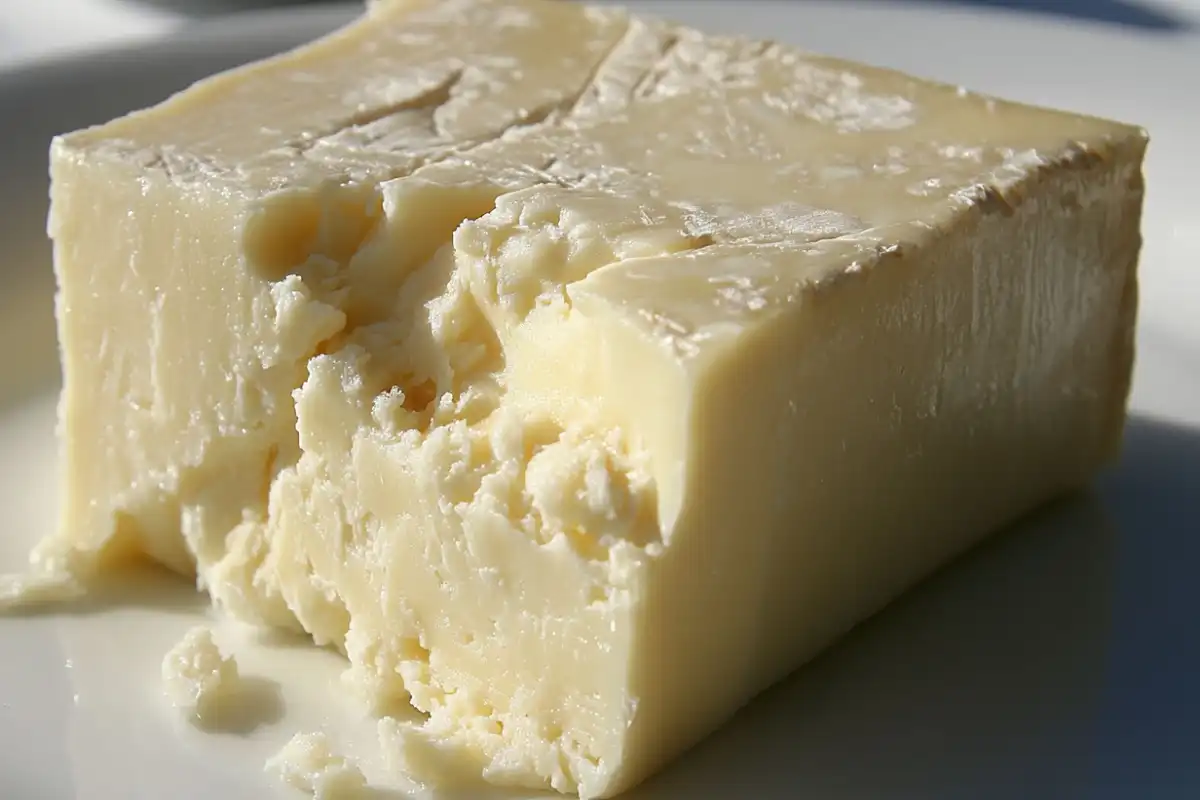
{"type": "Point", "coordinates": [666, 139]}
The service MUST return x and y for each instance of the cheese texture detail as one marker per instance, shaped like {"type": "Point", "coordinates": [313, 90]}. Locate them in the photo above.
{"type": "Point", "coordinates": [197, 676]}
{"type": "Point", "coordinates": [309, 764]}
{"type": "Point", "coordinates": [577, 375]}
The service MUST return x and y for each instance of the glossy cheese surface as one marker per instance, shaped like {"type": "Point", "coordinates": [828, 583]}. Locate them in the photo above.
{"type": "Point", "coordinates": [578, 375]}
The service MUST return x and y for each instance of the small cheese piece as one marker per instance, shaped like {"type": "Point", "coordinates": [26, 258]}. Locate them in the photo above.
{"type": "Point", "coordinates": [197, 675]}
{"type": "Point", "coordinates": [577, 375]}
{"type": "Point", "coordinates": [308, 763]}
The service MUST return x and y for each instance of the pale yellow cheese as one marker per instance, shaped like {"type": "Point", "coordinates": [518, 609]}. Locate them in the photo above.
{"type": "Point", "coordinates": [198, 677]}
{"type": "Point", "coordinates": [309, 764]}
{"type": "Point", "coordinates": [41, 587]}
{"type": "Point", "coordinates": [578, 376]}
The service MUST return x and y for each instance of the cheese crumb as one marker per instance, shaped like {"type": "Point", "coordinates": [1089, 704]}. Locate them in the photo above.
{"type": "Point", "coordinates": [308, 763]}
{"type": "Point", "coordinates": [196, 674]}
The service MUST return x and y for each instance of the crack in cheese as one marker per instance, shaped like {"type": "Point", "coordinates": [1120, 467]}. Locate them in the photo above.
{"type": "Point", "coordinates": [578, 375]}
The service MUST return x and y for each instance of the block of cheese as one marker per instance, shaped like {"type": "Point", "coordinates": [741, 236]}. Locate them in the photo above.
{"type": "Point", "coordinates": [578, 375]}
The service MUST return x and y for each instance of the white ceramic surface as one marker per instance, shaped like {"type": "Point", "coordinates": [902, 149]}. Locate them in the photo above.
{"type": "Point", "coordinates": [32, 30]}
{"type": "Point", "coordinates": [1059, 661]}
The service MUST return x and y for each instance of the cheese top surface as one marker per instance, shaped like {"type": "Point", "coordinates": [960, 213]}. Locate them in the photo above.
{"type": "Point", "coordinates": [527, 353]}
{"type": "Point", "coordinates": [575, 117]}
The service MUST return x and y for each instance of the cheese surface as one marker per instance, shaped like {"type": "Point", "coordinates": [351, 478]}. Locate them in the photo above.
{"type": "Point", "coordinates": [309, 764]}
{"type": "Point", "coordinates": [197, 676]}
{"type": "Point", "coordinates": [577, 375]}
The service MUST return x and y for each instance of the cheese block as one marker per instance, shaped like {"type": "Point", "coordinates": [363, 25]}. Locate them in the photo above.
{"type": "Point", "coordinates": [578, 375]}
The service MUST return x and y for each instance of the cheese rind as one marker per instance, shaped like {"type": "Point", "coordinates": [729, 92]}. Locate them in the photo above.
{"type": "Point", "coordinates": [579, 376]}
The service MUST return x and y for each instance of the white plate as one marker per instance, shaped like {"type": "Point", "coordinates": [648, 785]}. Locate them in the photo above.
{"type": "Point", "coordinates": [1059, 661]}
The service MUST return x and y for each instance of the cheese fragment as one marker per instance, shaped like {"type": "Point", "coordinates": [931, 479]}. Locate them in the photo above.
{"type": "Point", "coordinates": [197, 675]}
{"type": "Point", "coordinates": [308, 763]}
{"type": "Point", "coordinates": [578, 375]}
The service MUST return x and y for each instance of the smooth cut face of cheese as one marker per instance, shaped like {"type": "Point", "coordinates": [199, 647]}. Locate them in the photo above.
{"type": "Point", "coordinates": [578, 375]}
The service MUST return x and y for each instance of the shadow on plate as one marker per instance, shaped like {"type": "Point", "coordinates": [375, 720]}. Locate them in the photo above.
{"type": "Point", "coordinates": [204, 8]}
{"type": "Point", "coordinates": [1148, 744]}
{"type": "Point", "coordinates": [1112, 12]}
{"type": "Point", "coordinates": [253, 703]}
